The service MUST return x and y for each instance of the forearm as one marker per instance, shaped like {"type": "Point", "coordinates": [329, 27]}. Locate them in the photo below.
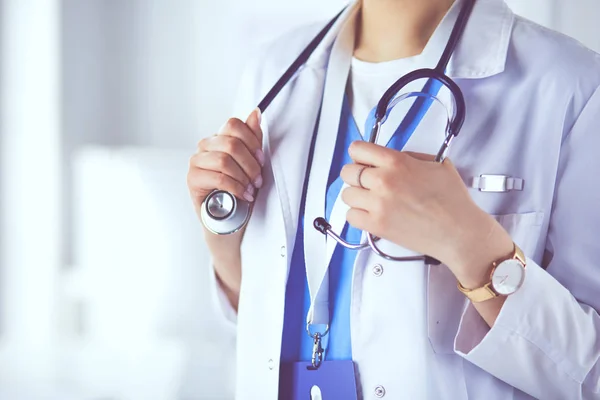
{"type": "Point", "coordinates": [226, 256]}
{"type": "Point", "coordinates": [473, 260]}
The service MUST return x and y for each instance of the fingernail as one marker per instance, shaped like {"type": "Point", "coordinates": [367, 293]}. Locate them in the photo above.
{"type": "Point", "coordinates": [248, 197]}
{"type": "Point", "coordinates": [260, 156]}
{"type": "Point", "coordinates": [351, 147]}
{"type": "Point", "coordinates": [258, 115]}
{"type": "Point", "coordinates": [258, 182]}
{"type": "Point", "coordinates": [250, 189]}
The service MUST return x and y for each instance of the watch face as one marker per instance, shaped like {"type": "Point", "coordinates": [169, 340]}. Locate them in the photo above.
{"type": "Point", "coordinates": [508, 277]}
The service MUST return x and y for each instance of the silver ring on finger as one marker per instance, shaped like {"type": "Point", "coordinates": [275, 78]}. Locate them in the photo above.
{"type": "Point", "coordinates": [359, 175]}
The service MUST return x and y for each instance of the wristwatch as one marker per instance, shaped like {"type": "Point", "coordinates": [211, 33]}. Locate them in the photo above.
{"type": "Point", "coordinates": [507, 276]}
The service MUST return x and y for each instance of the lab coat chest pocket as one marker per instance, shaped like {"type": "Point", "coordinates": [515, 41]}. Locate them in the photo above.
{"type": "Point", "coordinates": [525, 230]}
{"type": "Point", "coordinates": [445, 304]}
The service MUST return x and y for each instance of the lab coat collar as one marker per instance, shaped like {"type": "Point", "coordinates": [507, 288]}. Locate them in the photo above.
{"type": "Point", "coordinates": [481, 52]}
{"type": "Point", "coordinates": [320, 57]}
{"type": "Point", "coordinates": [483, 49]}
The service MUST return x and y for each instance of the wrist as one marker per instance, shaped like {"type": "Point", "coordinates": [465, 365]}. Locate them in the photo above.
{"type": "Point", "coordinates": [226, 257]}
{"type": "Point", "coordinates": [472, 258]}
{"type": "Point", "coordinates": [232, 294]}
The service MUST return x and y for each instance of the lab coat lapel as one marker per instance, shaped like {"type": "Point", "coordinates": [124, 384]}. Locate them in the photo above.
{"type": "Point", "coordinates": [288, 127]}
{"type": "Point", "coordinates": [289, 134]}
{"type": "Point", "coordinates": [317, 247]}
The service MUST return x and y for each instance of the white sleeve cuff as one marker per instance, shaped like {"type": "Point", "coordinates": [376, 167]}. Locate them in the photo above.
{"type": "Point", "coordinates": [540, 328]}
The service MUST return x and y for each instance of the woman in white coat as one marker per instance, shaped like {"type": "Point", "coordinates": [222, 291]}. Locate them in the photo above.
{"type": "Point", "coordinates": [522, 176]}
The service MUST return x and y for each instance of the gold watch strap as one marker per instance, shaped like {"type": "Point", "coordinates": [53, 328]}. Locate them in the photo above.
{"type": "Point", "coordinates": [479, 295]}
{"type": "Point", "coordinates": [520, 256]}
{"type": "Point", "coordinates": [487, 292]}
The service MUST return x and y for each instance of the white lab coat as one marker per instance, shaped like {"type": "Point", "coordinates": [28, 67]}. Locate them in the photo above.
{"type": "Point", "coordinates": [533, 103]}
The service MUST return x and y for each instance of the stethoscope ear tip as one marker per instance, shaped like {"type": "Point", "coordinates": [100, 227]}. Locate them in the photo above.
{"type": "Point", "coordinates": [321, 225]}
{"type": "Point", "coordinates": [431, 261]}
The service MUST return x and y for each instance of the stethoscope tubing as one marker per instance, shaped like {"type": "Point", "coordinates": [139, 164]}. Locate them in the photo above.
{"type": "Point", "coordinates": [453, 129]}
{"type": "Point", "coordinates": [297, 64]}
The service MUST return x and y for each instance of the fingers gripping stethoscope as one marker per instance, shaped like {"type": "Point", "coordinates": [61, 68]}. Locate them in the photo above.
{"type": "Point", "coordinates": [455, 122]}
{"type": "Point", "coordinates": [223, 214]}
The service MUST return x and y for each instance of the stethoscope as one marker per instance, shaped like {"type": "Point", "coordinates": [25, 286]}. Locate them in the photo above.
{"type": "Point", "coordinates": [223, 214]}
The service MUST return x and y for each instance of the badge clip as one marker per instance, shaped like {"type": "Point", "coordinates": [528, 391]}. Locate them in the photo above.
{"type": "Point", "coordinates": [317, 353]}
{"type": "Point", "coordinates": [497, 183]}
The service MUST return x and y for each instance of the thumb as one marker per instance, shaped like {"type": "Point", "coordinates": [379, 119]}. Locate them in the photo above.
{"type": "Point", "coordinates": [253, 123]}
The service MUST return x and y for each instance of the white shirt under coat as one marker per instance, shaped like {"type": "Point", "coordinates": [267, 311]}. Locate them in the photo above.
{"type": "Point", "coordinates": [533, 112]}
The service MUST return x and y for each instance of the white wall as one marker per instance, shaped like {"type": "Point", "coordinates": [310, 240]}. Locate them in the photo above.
{"type": "Point", "coordinates": [541, 11]}
{"type": "Point", "coordinates": [577, 18]}
{"type": "Point", "coordinates": [30, 189]}
{"type": "Point", "coordinates": [164, 73]}
{"type": "Point", "coordinates": [580, 19]}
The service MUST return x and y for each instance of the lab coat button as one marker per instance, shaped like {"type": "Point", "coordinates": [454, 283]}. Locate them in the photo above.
{"type": "Point", "coordinates": [377, 270]}
{"type": "Point", "coordinates": [283, 252]}
{"type": "Point", "coordinates": [379, 391]}
{"type": "Point", "coordinates": [271, 364]}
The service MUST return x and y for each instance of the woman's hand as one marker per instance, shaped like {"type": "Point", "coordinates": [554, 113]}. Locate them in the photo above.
{"type": "Point", "coordinates": [231, 160]}
{"type": "Point", "coordinates": [424, 206]}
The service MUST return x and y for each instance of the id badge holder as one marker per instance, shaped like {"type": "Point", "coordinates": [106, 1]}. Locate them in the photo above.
{"type": "Point", "coordinates": [318, 379]}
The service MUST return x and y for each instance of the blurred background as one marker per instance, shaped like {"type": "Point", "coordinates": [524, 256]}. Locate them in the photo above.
{"type": "Point", "coordinates": [102, 289]}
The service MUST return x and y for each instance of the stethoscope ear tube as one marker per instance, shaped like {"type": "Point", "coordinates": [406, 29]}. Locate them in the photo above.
{"type": "Point", "coordinates": [218, 202]}
{"type": "Point", "coordinates": [426, 73]}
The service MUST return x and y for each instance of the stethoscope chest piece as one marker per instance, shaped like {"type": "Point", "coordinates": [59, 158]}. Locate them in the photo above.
{"type": "Point", "coordinates": [223, 214]}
